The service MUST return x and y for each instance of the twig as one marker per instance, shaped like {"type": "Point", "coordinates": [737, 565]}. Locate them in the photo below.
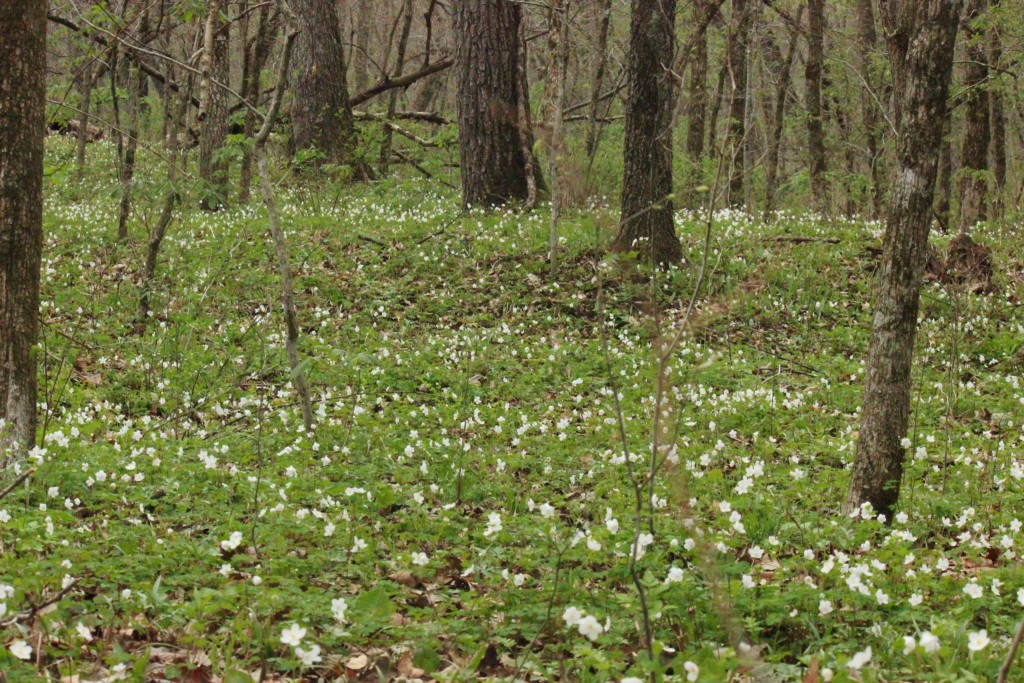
{"type": "Point", "coordinates": [28, 473]}
{"type": "Point", "coordinates": [1004, 670]}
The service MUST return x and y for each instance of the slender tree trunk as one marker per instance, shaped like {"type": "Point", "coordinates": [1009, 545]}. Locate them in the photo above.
{"type": "Point", "coordinates": [600, 70]}
{"type": "Point", "coordinates": [944, 189]}
{"type": "Point", "coordinates": [135, 78]}
{"type": "Point", "coordinates": [922, 35]}
{"type": "Point", "coordinates": [84, 115]}
{"type": "Point", "coordinates": [697, 108]}
{"type": "Point", "coordinates": [22, 126]}
{"type": "Point", "coordinates": [257, 56]}
{"type": "Point", "coordinates": [491, 86]}
{"type": "Point", "coordinates": [553, 112]}
{"type": "Point", "coordinates": [815, 127]}
{"type": "Point", "coordinates": [779, 118]}
{"type": "Point", "coordinates": [321, 113]}
{"type": "Point", "coordinates": [298, 375]}
{"type": "Point", "coordinates": [213, 112]}
{"type": "Point", "coordinates": [403, 42]}
{"type": "Point", "coordinates": [646, 224]}
{"type": "Point", "coordinates": [737, 65]}
{"type": "Point", "coordinates": [997, 151]}
{"type": "Point", "coordinates": [360, 53]}
{"type": "Point", "coordinates": [867, 43]}
{"type": "Point", "coordinates": [974, 187]}
{"type": "Point", "coordinates": [716, 107]}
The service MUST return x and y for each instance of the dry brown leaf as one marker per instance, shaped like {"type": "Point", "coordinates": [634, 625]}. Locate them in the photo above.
{"type": "Point", "coordinates": [357, 663]}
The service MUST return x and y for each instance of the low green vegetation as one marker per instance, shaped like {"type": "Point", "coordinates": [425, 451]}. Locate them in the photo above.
{"type": "Point", "coordinates": [464, 508]}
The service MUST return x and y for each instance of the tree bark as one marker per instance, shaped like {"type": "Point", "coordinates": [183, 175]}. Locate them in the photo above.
{"type": "Point", "coordinates": [779, 117]}
{"type": "Point", "coordinates": [213, 112]}
{"type": "Point", "coordinates": [403, 43]}
{"type": "Point", "coordinates": [322, 114]}
{"type": "Point", "coordinates": [85, 109]}
{"type": "Point", "coordinates": [646, 225]}
{"type": "Point", "coordinates": [600, 69]}
{"type": "Point", "coordinates": [974, 185]}
{"type": "Point", "coordinates": [256, 57]}
{"type": "Point", "coordinates": [22, 127]}
{"type": "Point", "coordinates": [553, 112]}
{"type": "Point", "coordinates": [997, 150]}
{"type": "Point", "coordinates": [867, 43]}
{"type": "Point", "coordinates": [697, 108]}
{"type": "Point", "coordinates": [737, 74]}
{"type": "Point", "coordinates": [922, 38]}
{"type": "Point", "coordinates": [490, 79]}
{"type": "Point", "coordinates": [361, 44]}
{"type": "Point", "coordinates": [815, 127]}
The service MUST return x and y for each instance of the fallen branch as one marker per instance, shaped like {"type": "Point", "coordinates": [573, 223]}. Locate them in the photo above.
{"type": "Point", "coordinates": [803, 240]}
{"type": "Point", "coordinates": [14, 484]}
{"type": "Point", "coordinates": [388, 83]}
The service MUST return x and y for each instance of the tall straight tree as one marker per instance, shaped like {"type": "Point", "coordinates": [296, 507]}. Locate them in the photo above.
{"type": "Point", "coordinates": [322, 114]}
{"type": "Point", "coordinates": [22, 126]}
{"type": "Point", "coordinates": [815, 125]}
{"type": "Point", "coordinates": [697, 105]}
{"type": "Point", "coordinates": [976, 118]}
{"type": "Point", "coordinates": [867, 42]}
{"type": "Point", "coordinates": [213, 112]}
{"type": "Point", "coordinates": [647, 224]}
{"type": "Point", "coordinates": [736, 63]}
{"type": "Point", "coordinates": [922, 36]}
{"type": "Point", "coordinates": [491, 125]}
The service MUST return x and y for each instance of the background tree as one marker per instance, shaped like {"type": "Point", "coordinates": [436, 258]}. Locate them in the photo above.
{"type": "Point", "coordinates": [213, 112]}
{"type": "Point", "coordinates": [321, 113]}
{"type": "Point", "coordinates": [647, 215]}
{"type": "Point", "coordinates": [922, 36]}
{"type": "Point", "coordinates": [22, 125]}
{"type": "Point", "coordinates": [490, 106]}
{"type": "Point", "coordinates": [976, 118]}
{"type": "Point", "coordinates": [815, 124]}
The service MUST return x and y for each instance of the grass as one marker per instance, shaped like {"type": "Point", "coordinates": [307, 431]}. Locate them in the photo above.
{"type": "Point", "coordinates": [463, 484]}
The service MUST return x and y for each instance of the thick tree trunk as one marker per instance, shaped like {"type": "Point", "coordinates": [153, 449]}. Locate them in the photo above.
{"type": "Point", "coordinates": [815, 127]}
{"type": "Point", "coordinates": [490, 88]}
{"type": "Point", "coordinates": [737, 65]}
{"type": "Point", "coordinates": [22, 126]}
{"type": "Point", "coordinates": [646, 224]}
{"type": "Point", "coordinates": [974, 186]}
{"type": "Point", "coordinates": [213, 113]}
{"type": "Point", "coordinates": [696, 108]}
{"type": "Point", "coordinates": [867, 43]}
{"type": "Point", "coordinates": [922, 39]}
{"type": "Point", "coordinates": [321, 113]}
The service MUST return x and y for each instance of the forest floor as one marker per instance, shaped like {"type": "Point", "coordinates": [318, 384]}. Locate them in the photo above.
{"type": "Point", "coordinates": [463, 509]}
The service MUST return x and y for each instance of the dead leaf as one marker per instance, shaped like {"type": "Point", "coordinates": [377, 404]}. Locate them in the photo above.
{"type": "Point", "coordinates": [357, 663]}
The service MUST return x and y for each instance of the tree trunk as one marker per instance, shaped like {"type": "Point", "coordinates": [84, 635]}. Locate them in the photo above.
{"type": "Point", "coordinates": [779, 117]}
{"type": "Point", "coordinates": [737, 65]}
{"type": "Point", "coordinates": [321, 114]}
{"type": "Point", "coordinates": [490, 88]}
{"type": "Point", "coordinates": [997, 151]}
{"type": "Point", "coordinates": [22, 126]}
{"type": "Point", "coordinates": [600, 69]}
{"type": "Point", "coordinates": [944, 190]}
{"type": "Point", "coordinates": [553, 112]}
{"type": "Point", "coordinates": [256, 58]}
{"type": "Point", "coordinates": [922, 41]}
{"type": "Point", "coordinates": [815, 128]}
{"type": "Point", "coordinates": [361, 44]}
{"type": "Point", "coordinates": [974, 185]}
{"type": "Point", "coordinates": [697, 108]}
{"type": "Point", "coordinates": [213, 113]}
{"type": "Point", "coordinates": [403, 42]}
{"type": "Point", "coordinates": [646, 224]}
{"type": "Point", "coordinates": [84, 114]}
{"type": "Point", "coordinates": [868, 41]}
